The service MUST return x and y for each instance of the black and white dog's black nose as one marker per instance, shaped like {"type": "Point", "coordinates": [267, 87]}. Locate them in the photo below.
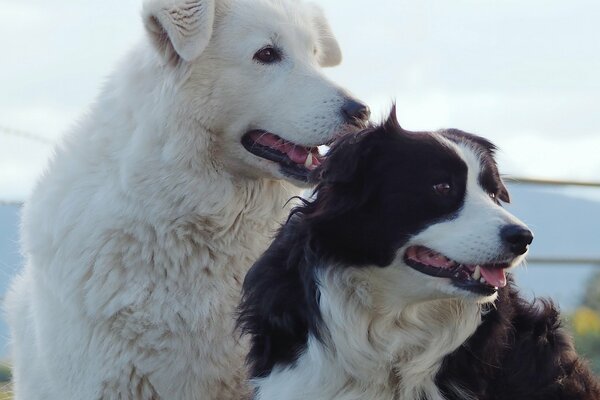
{"type": "Point", "coordinates": [517, 238]}
{"type": "Point", "coordinates": [356, 112]}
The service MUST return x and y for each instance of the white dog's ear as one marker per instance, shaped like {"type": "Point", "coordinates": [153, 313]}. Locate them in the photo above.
{"type": "Point", "coordinates": [179, 29]}
{"type": "Point", "coordinates": [330, 53]}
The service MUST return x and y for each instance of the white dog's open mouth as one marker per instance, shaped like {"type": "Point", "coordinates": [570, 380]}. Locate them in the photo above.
{"type": "Point", "coordinates": [483, 279]}
{"type": "Point", "coordinates": [295, 160]}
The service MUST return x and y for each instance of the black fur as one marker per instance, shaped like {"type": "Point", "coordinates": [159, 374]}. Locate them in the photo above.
{"type": "Point", "coordinates": [374, 193]}
{"type": "Point", "coordinates": [520, 352]}
{"type": "Point", "coordinates": [364, 211]}
{"type": "Point", "coordinates": [279, 306]}
{"type": "Point", "coordinates": [489, 178]}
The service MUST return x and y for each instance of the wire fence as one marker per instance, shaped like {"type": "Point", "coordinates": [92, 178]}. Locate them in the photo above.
{"type": "Point", "coordinates": [5, 130]}
{"type": "Point", "coordinates": [550, 182]}
{"type": "Point", "coordinates": [563, 261]}
{"type": "Point", "coordinates": [10, 203]}
{"type": "Point", "coordinates": [556, 182]}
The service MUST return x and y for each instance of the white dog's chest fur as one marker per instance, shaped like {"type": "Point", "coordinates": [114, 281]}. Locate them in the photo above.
{"type": "Point", "coordinates": [186, 296]}
{"type": "Point", "coordinates": [155, 302]}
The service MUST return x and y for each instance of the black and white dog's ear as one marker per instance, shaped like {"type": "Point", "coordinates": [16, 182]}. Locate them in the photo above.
{"type": "Point", "coordinates": [503, 193]}
{"type": "Point", "coordinates": [179, 29]}
{"type": "Point", "coordinates": [391, 124]}
{"type": "Point", "coordinates": [279, 303]}
{"type": "Point", "coordinates": [342, 160]}
{"type": "Point", "coordinates": [329, 52]}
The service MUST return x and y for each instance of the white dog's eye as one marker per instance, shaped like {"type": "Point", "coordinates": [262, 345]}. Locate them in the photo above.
{"type": "Point", "coordinates": [442, 189]}
{"type": "Point", "coordinates": [267, 55]}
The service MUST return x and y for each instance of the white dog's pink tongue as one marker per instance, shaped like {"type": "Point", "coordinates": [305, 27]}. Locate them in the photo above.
{"type": "Point", "coordinates": [494, 276]}
{"type": "Point", "coordinates": [266, 139]}
{"type": "Point", "coordinates": [297, 154]}
{"type": "Point", "coordinates": [309, 157]}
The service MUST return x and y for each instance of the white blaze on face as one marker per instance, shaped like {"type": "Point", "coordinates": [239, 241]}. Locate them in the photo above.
{"type": "Point", "coordinates": [472, 235]}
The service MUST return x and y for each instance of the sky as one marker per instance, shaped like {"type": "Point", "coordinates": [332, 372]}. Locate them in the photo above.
{"type": "Point", "coordinates": [525, 74]}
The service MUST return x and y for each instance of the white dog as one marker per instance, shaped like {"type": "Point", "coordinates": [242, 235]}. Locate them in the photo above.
{"type": "Point", "coordinates": [140, 232]}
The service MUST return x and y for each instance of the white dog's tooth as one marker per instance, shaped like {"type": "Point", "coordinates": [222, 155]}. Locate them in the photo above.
{"type": "Point", "coordinates": [477, 273]}
{"type": "Point", "coordinates": [482, 280]}
{"type": "Point", "coordinates": [309, 160]}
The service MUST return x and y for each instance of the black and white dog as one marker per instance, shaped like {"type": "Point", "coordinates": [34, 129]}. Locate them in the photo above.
{"type": "Point", "coordinates": [392, 283]}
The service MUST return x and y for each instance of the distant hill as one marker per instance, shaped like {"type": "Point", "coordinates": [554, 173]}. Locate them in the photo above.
{"type": "Point", "coordinates": [10, 259]}
{"type": "Point", "coordinates": [564, 226]}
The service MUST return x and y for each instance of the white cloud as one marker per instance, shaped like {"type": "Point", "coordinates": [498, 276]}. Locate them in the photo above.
{"type": "Point", "coordinates": [551, 157]}
{"type": "Point", "coordinates": [18, 16]}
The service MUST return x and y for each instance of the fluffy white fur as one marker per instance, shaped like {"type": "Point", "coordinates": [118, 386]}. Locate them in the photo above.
{"type": "Point", "coordinates": [388, 329]}
{"type": "Point", "coordinates": [373, 351]}
{"type": "Point", "coordinates": [140, 231]}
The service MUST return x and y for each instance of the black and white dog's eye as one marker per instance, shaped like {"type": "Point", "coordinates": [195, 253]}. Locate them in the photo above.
{"type": "Point", "coordinates": [493, 196]}
{"type": "Point", "coordinates": [442, 189]}
{"type": "Point", "coordinates": [267, 55]}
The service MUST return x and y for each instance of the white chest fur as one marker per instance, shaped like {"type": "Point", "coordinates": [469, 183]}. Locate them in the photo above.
{"type": "Point", "coordinates": [371, 352]}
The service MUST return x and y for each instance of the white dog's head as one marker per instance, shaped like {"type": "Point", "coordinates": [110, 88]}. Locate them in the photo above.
{"type": "Point", "coordinates": [253, 80]}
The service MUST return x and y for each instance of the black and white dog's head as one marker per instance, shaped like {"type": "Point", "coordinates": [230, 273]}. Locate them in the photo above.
{"type": "Point", "coordinates": [425, 205]}
{"type": "Point", "coordinates": [415, 216]}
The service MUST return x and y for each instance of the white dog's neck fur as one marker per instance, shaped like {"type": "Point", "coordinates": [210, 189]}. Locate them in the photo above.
{"type": "Point", "coordinates": [369, 351]}
{"type": "Point", "coordinates": [136, 114]}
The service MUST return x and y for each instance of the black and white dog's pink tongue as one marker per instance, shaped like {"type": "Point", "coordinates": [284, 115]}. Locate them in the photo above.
{"type": "Point", "coordinates": [434, 260]}
{"type": "Point", "coordinates": [494, 276]}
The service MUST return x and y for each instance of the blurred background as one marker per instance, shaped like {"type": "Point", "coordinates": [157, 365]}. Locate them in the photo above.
{"type": "Point", "coordinates": [524, 74]}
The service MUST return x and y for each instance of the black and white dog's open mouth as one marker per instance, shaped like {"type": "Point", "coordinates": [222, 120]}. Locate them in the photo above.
{"type": "Point", "coordinates": [295, 160]}
{"type": "Point", "coordinates": [478, 278]}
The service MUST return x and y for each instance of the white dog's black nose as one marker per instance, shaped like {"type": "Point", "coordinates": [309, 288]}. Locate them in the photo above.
{"type": "Point", "coordinates": [517, 238]}
{"type": "Point", "coordinates": [356, 112]}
